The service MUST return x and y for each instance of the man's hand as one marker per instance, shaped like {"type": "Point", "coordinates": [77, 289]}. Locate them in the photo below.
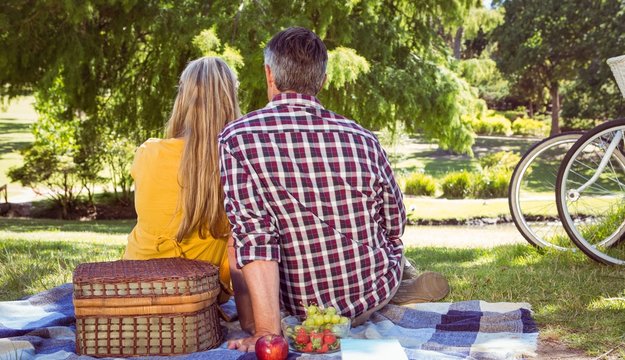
{"type": "Point", "coordinates": [245, 345]}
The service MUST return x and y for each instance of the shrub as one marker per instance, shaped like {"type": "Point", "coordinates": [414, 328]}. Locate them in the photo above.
{"type": "Point", "coordinates": [118, 156]}
{"type": "Point", "coordinates": [457, 185]}
{"type": "Point", "coordinates": [420, 184]}
{"type": "Point", "coordinates": [514, 114]}
{"type": "Point", "coordinates": [530, 127]}
{"type": "Point", "coordinates": [491, 183]}
{"type": "Point", "coordinates": [492, 125]}
{"type": "Point", "coordinates": [505, 160]}
{"type": "Point", "coordinates": [55, 172]}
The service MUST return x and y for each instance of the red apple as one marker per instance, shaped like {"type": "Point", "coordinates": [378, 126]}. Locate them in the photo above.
{"type": "Point", "coordinates": [271, 347]}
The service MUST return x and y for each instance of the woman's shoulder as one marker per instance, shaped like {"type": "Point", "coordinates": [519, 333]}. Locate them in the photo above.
{"type": "Point", "coordinates": [157, 154]}
{"type": "Point", "coordinates": [156, 142]}
{"type": "Point", "coordinates": [160, 148]}
{"type": "Point", "coordinates": [154, 145]}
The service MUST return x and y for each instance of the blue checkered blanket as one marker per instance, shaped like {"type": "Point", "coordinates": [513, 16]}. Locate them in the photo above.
{"type": "Point", "coordinates": [42, 327]}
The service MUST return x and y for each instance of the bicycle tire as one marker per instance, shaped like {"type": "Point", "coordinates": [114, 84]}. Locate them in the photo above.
{"type": "Point", "coordinates": [542, 233]}
{"type": "Point", "coordinates": [594, 218]}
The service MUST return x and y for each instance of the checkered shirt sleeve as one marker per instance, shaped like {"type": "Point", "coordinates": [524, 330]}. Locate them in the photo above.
{"type": "Point", "coordinates": [253, 228]}
{"type": "Point", "coordinates": [394, 211]}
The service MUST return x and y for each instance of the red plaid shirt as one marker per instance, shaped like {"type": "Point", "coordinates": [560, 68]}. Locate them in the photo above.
{"type": "Point", "coordinates": [315, 192]}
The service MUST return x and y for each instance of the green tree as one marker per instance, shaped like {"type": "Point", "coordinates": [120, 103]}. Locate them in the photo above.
{"type": "Point", "coordinates": [475, 32]}
{"type": "Point", "coordinates": [108, 67]}
{"type": "Point", "coordinates": [545, 42]}
{"type": "Point", "coordinates": [594, 93]}
{"type": "Point", "coordinates": [483, 74]}
{"type": "Point", "coordinates": [119, 60]}
{"type": "Point", "coordinates": [408, 77]}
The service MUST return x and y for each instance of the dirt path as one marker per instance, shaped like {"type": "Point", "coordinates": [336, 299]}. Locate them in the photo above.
{"type": "Point", "coordinates": [462, 236]}
{"type": "Point", "coordinates": [552, 350]}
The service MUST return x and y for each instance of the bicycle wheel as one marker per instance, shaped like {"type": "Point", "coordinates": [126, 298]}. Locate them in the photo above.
{"type": "Point", "coordinates": [593, 212]}
{"type": "Point", "coordinates": [531, 192]}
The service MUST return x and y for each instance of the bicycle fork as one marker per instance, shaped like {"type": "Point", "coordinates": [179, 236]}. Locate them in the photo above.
{"type": "Point", "coordinates": [573, 194]}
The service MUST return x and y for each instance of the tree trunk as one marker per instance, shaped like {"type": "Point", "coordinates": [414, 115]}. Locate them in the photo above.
{"type": "Point", "coordinates": [531, 110]}
{"type": "Point", "coordinates": [555, 108]}
{"type": "Point", "coordinates": [458, 43]}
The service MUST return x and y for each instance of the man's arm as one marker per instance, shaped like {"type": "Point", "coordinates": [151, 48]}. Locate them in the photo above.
{"type": "Point", "coordinates": [242, 297]}
{"type": "Point", "coordinates": [263, 282]}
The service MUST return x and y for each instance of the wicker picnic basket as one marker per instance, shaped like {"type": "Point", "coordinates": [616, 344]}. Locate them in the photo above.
{"type": "Point", "coordinates": [617, 65]}
{"type": "Point", "coordinates": [146, 307]}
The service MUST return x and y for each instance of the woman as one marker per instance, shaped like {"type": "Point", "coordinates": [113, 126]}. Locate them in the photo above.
{"type": "Point", "coordinates": [178, 194]}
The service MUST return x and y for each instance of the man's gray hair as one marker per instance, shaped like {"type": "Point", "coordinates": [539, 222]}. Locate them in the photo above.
{"type": "Point", "coordinates": [297, 59]}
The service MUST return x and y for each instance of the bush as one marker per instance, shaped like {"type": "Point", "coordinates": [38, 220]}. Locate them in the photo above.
{"type": "Point", "coordinates": [530, 127]}
{"type": "Point", "coordinates": [420, 184]}
{"type": "Point", "coordinates": [504, 160]}
{"type": "Point", "coordinates": [492, 125]}
{"type": "Point", "coordinates": [55, 172]}
{"type": "Point", "coordinates": [457, 185]}
{"type": "Point", "coordinates": [492, 183]}
{"type": "Point", "coordinates": [514, 114]}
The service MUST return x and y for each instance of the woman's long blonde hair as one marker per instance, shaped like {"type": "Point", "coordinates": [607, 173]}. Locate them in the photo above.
{"type": "Point", "coordinates": [206, 102]}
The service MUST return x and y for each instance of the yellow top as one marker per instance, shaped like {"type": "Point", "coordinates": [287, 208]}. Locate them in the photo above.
{"type": "Point", "coordinates": [157, 200]}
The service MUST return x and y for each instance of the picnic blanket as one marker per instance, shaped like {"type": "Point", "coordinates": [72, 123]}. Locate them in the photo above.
{"type": "Point", "coordinates": [42, 327]}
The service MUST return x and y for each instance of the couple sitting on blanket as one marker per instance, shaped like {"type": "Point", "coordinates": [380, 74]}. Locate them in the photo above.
{"type": "Point", "coordinates": [295, 204]}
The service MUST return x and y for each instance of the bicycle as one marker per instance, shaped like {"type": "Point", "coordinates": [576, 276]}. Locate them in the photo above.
{"type": "Point", "coordinates": [590, 193]}
{"type": "Point", "coordinates": [590, 187]}
{"type": "Point", "coordinates": [530, 194]}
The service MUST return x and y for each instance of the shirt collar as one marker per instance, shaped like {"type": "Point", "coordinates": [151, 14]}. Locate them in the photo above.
{"type": "Point", "coordinates": [295, 99]}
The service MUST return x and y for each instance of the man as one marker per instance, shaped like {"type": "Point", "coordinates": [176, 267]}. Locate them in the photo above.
{"type": "Point", "coordinates": [315, 210]}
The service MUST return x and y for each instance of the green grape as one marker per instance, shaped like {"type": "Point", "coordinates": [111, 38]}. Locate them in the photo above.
{"type": "Point", "coordinates": [343, 320]}
{"type": "Point", "coordinates": [318, 319]}
{"type": "Point", "coordinates": [308, 322]}
{"type": "Point", "coordinates": [327, 318]}
{"type": "Point", "coordinates": [330, 310]}
{"type": "Point", "coordinates": [336, 319]}
{"type": "Point", "coordinates": [312, 310]}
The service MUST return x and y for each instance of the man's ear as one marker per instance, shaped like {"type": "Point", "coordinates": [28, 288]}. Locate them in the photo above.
{"type": "Point", "coordinates": [325, 78]}
{"type": "Point", "coordinates": [268, 75]}
{"type": "Point", "coordinates": [271, 84]}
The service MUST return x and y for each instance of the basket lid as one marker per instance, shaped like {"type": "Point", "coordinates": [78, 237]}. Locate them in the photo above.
{"type": "Point", "coordinates": [170, 276]}
{"type": "Point", "coordinates": [144, 270]}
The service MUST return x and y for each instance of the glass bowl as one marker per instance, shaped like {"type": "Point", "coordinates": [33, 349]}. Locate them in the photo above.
{"type": "Point", "coordinates": [307, 338]}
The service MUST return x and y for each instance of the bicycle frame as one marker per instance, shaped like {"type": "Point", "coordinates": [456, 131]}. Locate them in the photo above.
{"type": "Point", "coordinates": [574, 194]}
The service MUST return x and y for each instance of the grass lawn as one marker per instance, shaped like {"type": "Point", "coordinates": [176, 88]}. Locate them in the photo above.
{"type": "Point", "coordinates": [575, 300]}
{"type": "Point", "coordinates": [39, 254]}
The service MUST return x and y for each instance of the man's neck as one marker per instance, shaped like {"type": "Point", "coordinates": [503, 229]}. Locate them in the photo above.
{"type": "Point", "coordinates": [278, 92]}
